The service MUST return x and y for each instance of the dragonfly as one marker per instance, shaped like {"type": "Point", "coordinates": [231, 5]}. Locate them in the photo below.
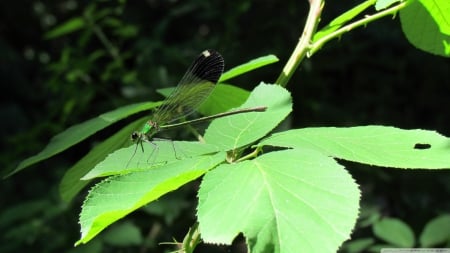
{"type": "Point", "coordinates": [195, 86]}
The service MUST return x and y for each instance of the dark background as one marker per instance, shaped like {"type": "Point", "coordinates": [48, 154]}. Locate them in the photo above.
{"type": "Point", "coordinates": [371, 75]}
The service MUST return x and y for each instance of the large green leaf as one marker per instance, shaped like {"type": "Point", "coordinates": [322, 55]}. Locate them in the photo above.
{"type": "Point", "coordinates": [239, 130]}
{"type": "Point", "coordinates": [157, 152]}
{"type": "Point", "coordinates": [115, 197]}
{"type": "Point", "coordinates": [77, 133]}
{"type": "Point", "coordinates": [426, 25]}
{"type": "Point", "coordinates": [71, 183]}
{"type": "Point", "coordinates": [132, 158]}
{"type": "Point", "coordinates": [283, 201]}
{"type": "Point", "coordinates": [374, 145]}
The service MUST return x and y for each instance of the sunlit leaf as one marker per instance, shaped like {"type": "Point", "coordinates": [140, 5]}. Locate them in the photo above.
{"type": "Point", "coordinates": [238, 130]}
{"type": "Point", "coordinates": [132, 158]}
{"type": "Point", "coordinates": [249, 66]}
{"type": "Point", "coordinates": [284, 201]}
{"type": "Point", "coordinates": [115, 197]}
{"type": "Point", "coordinates": [342, 19]}
{"type": "Point", "coordinates": [426, 25]}
{"type": "Point", "coordinates": [374, 145]}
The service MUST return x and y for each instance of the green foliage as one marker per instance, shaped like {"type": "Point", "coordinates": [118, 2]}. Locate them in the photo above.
{"type": "Point", "coordinates": [436, 232]}
{"type": "Point", "coordinates": [426, 26]}
{"type": "Point", "coordinates": [224, 97]}
{"type": "Point", "coordinates": [281, 201]}
{"type": "Point", "coordinates": [234, 132]}
{"type": "Point", "coordinates": [382, 4]}
{"type": "Point", "coordinates": [341, 20]}
{"type": "Point", "coordinates": [249, 66]}
{"type": "Point", "coordinates": [71, 184]}
{"type": "Point", "coordinates": [423, 22]}
{"type": "Point", "coordinates": [373, 145]}
{"type": "Point", "coordinates": [395, 232]}
{"type": "Point", "coordinates": [116, 197]}
{"type": "Point", "coordinates": [175, 170]}
{"type": "Point", "coordinates": [130, 159]}
{"type": "Point", "coordinates": [67, 27]}
{"type": "Point", "coordinates": [77, 133]}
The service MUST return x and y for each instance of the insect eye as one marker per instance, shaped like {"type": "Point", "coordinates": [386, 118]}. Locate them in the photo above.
{"type": "Point", "coordinates": [134, 136]}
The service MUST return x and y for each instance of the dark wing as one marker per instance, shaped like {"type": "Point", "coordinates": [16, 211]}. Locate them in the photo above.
{"type": "Point", "coordinates": [193, 89]}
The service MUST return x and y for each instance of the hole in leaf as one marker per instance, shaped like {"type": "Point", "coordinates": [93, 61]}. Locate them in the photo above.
{"type": "Point", "coordinates": [422, 146]}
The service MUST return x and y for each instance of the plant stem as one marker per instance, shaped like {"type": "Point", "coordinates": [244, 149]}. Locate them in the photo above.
{"type": "Point", "coordinates": [303, 45]}
{"type": "Point", "coordinates": [307, 48]}
{"type": "Point", "coordinates": [192, 239]}
{"type": "Point", "coordinates": [367, 19]}
{"type": "Point", "coordinates": [251, 155]}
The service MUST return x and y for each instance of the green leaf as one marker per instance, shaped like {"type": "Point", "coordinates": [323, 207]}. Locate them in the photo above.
{"type": "Point", "coordinates": [436, 232]}
{"type": "Point", "coordinates": [132, 158]}
{"type": "Point", "coordinates": [374, 145]}
{"type": "Point", "coordinates": [115, 197]}
{"type": "Point", "coordinates": [283, 201]}
{"type": "Point", "coordinates": [368, 216]}
{"type": "Point", "coordinates": [236, 131]}
{"type": "Point", "coordinates": [394, 231]}
{"type": "Point", "coordinates": [383, 4]}
{"type": "Point", "coordinates": [223, 98]}
{"type": "Point", "coordinates": [249, 66]}
{"type": "Point", "coordinates": [426, 25]}
{"type": "Point", "coordinates": [71, 183]}
{"type": "Point", "coordinates": [342, 19]}
{"type": "Point", "coordinates": [77, 133]}
{"type": "Point", "coordinates": [67, 27]}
